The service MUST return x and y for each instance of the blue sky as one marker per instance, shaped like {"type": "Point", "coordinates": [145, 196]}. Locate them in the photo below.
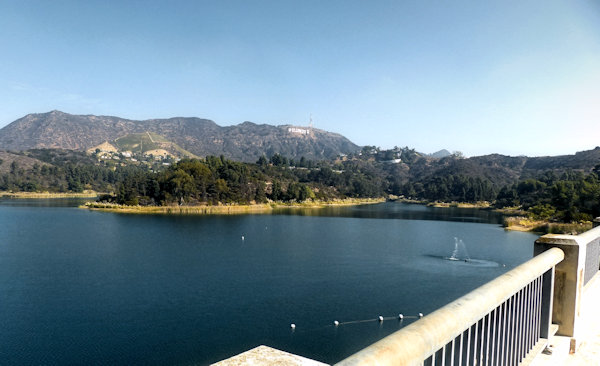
{"type": "Point", "coordinates": [513, 77]}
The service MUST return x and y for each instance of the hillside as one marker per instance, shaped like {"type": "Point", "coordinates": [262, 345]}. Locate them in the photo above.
{"type": "Point", "coordinates": [201, 137]}
{"type": "Point", "coordinates": [20, 162]}
{"type": "Point", "coordinates": [501, 169]}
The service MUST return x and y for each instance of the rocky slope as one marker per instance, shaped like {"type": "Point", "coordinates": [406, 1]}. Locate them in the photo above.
{"type": "Point", "coordinates": [245, 142]}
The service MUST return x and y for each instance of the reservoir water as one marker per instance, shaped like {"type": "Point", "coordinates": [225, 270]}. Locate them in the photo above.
{"type": "Point", "coordinates": [95, 288]}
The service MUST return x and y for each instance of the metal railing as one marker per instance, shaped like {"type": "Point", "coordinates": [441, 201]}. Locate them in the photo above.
{"type": "Point", "coordinates": [496, 324]}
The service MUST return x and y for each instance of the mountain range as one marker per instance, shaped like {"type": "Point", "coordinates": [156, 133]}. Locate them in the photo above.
{"type": "Point", "coordinates": [180, 135]}
{"type": "Point", "coordinates": [196, 137]}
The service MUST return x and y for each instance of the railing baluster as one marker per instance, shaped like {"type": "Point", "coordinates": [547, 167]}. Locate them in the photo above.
{"type": "Point", "coordinates": [533, 314]}
{"type": "Point", "coordinates": [531, 317]}
{"type": "Point", "coordinates": [501, 322]}
{"type": "Point", "coordinates": [536, 319]}
{"type": "Point", "coordinates": [475, 342]}
{"type": "Point", "coordinates": [487, 339]}
{"type": "Point", "coordinates": [503, 342]}
{"type": "Point", "coordinates": [494, 330]}
{"type": "Point", "coordinates": [507, 340]}
{"type": "Point", "coordinates": [518, 325]}
{"type": "Point", "coordinates": [460, 354]}
{"type": "Point", "coordinates": [513, 325]}
{"type": "Point", "coordinates": [538, 309]}
{"type": "Point", "coordinates": [468, 345]}
{"type": "Point", "coordinates": [533, 341]}
{"type": "Point", "coordinates": [517, 343]}
{"type": "Point", "coordinates": [481, 340]}
{"type": "Point", "coordinates": [528, 327]}
{"type": "Point", "coordinates": [452, 352]}
{"type": "Point", "coordinates": [521, 347]}
{"type": "Point", "coordinates": [525, 328]}
{"type": "Point", "coordinates": [443, 356]}
{"type": "Point", "coordinates": [547, 291]}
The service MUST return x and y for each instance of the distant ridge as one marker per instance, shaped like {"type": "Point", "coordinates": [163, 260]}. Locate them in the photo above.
{"type": "Point", "coordinates": [502, 170]}
{"type": "Point", "coordinates": [245, 142]}
{"type": "Point", "coordinates": [440, 154]}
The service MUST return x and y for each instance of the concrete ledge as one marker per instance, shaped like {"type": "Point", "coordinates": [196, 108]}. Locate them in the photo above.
{"type": "Point", "coordinates": [263, 355]}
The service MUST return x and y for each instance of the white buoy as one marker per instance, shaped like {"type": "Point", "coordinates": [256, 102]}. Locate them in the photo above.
{"type": "Point", "coordinates": [380, 318]}
{"type": "Point", "coordinates": [420, 315]}
{"type": "Point", "coordinates": [336, 323]}
{"type": "Point", "coordinates": [293, 326]}
{"type": "Point", "coordinates": [400, 316]}
{"type": "Point", "coordinates": [242, 237]}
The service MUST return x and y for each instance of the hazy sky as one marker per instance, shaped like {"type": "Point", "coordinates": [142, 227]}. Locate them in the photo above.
{"type": "Point", "coordinates": [514, 77]}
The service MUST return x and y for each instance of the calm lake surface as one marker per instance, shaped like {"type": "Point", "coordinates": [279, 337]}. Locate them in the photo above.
{"type": "Point", "coordinates": [82, 287]}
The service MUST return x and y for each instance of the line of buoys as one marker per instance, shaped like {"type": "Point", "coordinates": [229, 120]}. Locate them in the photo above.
{"type": "Point", "coordinates": [380, 319]}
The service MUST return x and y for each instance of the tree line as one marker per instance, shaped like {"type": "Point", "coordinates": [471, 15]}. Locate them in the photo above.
{"type": "Point", "coordinates": [568, 196]}
{"type": "Point", "coordinates": [219, 180]}
{"type": "Point", "coordinates": [572, 196]}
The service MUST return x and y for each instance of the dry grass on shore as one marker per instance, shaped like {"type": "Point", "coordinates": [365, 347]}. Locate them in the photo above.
{"type": "Point", "coordinates": [84, 194]}
{"type": "Point", "coordinates": [221, 209]}
{"type": "Point", "coordinates": [481, 204]}
{"type": "Point", "coordinates": [520, 223]}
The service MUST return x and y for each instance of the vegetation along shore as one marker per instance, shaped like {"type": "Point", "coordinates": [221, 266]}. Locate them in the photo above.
{"type": "Point", "coordinates": [49, 195]}
{"type": "Point", "coordinates": [549, 194]}
{"type": "Point", "coordinates": [524, 223]}
{"type": "Point", "coordinates": [228, 209]}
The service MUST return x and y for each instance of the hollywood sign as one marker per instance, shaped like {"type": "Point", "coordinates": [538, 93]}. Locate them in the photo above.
{"type": "Point", "coordinates": [301, 131]}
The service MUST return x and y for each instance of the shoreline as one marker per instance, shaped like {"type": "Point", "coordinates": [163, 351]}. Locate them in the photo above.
{"type": "Point", "coordinates": [524, 224]}
{"type": "Point", "coordinates": [438, 204]}
{"type": "Point", "coordinates": [221, 209]}
{"type": "Point", "coordinates": [515, 219]}
{"type": "Point", "coordinates": [49, 195]}
{"type": "Point", "coordinates": [479, 205]}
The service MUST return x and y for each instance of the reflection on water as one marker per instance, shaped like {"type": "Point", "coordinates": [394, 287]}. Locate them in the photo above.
{"type": "Point", "coordinates": [387, 210]}
{"type": "Point", "coordinates": [396, 210]}
{"type": "Point", "coordinates": [466, 262]}
{"type": "Point", "coordinates": [43, 202]}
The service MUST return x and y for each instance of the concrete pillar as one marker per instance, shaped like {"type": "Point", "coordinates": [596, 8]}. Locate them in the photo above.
{"type": "Point", "coordinates": [570, 278]}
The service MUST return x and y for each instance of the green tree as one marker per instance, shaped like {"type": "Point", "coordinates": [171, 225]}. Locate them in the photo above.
{"type": "Point", "coordinates": [276, 191]}
{"type": "Point", "coordinates": [180, 185]}
{"type": "Point", "coordinates": [222, 189]}
{"type": "Point", "coordinates": [261, 195]}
